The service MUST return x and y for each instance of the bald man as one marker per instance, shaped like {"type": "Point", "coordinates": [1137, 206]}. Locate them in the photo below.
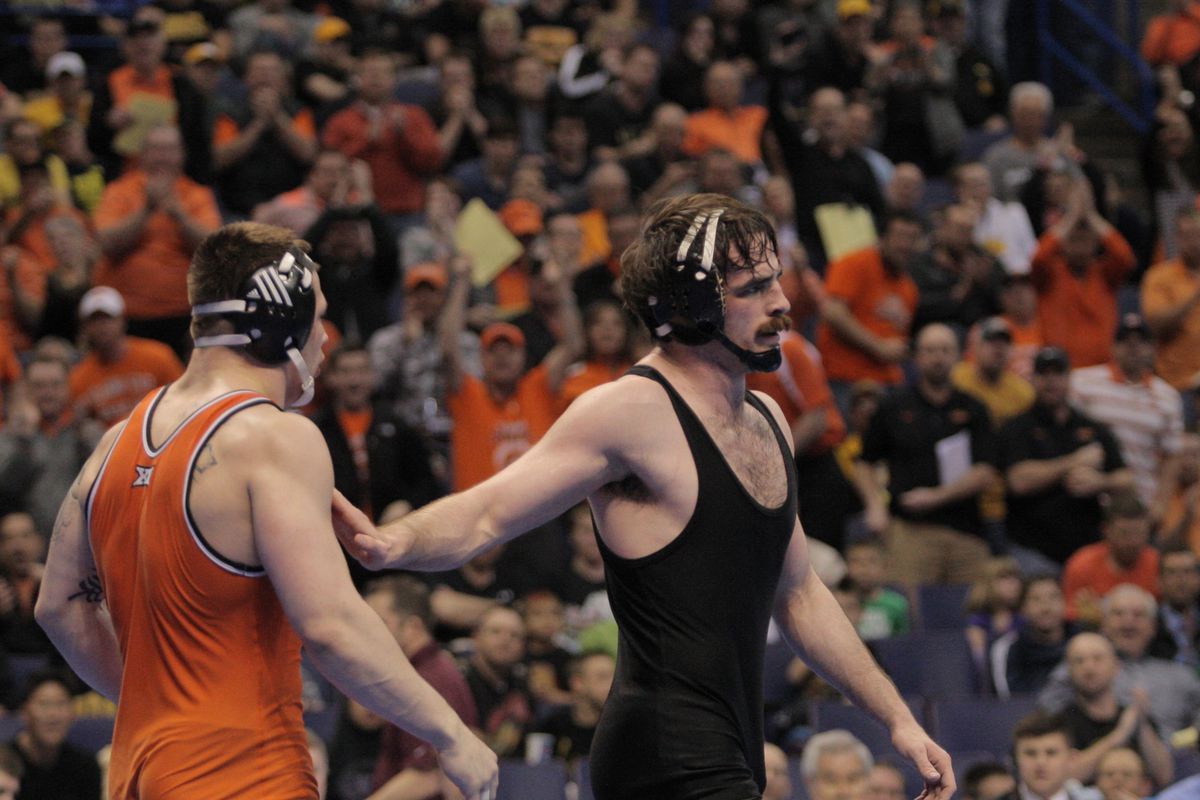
{"type": "Point", "coordinates": [1098, 723]}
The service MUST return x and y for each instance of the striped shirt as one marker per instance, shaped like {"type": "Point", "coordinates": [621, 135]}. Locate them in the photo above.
{"type": "Point", "coordinates": [1146, 416]}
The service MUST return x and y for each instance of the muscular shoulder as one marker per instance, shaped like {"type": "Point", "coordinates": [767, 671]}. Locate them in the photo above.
{"type": "Point", "coordinates": [263, 435]}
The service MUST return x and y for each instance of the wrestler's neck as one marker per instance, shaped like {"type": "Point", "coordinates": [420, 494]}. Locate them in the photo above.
{"type": "Point", "coordinates": [213, 371]}
{"type": "Point", "coordinates": [707, 372]}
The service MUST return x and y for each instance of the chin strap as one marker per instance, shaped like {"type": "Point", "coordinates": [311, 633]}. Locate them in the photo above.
{"type": "Point", "coordinates": [756, 360]}
{"type": "Point", "coordinates": [307, 384]}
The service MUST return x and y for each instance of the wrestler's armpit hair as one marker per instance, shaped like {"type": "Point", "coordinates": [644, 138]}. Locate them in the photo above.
{"type": "Point", "coordinates": [744, 238]}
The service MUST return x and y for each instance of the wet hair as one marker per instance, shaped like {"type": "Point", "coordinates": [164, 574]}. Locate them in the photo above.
{"type": "Point", "coordinates": [744, 238]}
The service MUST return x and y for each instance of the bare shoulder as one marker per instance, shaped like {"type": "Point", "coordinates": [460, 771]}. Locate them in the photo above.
{"type": "Point", "coordinates": [263, 436]}
{"type": "Point", "coordinates": [627, 410]}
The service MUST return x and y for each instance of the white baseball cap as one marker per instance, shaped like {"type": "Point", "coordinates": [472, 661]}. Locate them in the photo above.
{"type": "Point", "coordinates": [66, 61]}
{"type": "Point", "coordinates": [102, 300]}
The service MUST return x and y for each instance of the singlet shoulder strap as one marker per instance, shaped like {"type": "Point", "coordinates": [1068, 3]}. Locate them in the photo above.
{"type": "Point", "coordinates": [762, 408]}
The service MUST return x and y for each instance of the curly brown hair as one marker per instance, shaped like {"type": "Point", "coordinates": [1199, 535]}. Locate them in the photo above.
{"type": "Point", "coordinates": [744, 239]}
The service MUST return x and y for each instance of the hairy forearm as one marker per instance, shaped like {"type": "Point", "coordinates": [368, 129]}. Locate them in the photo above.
{"type": "Point", "coordinates": [819, 632]}
{"type": "Point", "coordinates": [350, 645]}
{"type": "Point", "coordinates": [443, 535]}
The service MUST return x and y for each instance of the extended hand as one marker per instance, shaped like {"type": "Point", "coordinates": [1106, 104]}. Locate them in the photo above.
{"type": "Point", "coordinates": [471, 766]}
{"type": "Point", "coordinates": [930, 760]}
{"type": "Point", "coordinates": [358, 534]}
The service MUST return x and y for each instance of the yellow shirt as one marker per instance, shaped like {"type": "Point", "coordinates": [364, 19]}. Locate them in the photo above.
{"type": "Point", "coordinates": [48, 112]}
{"type": "Point", "coordinates": [10, 179]}
{"type": "Point", "coordinates": [1007, 398]}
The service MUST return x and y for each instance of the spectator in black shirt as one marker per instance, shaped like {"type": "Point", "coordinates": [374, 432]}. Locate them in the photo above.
{"type": "Point", "coordinates": [959, 282]}
{"type": "Point", "coordinates": [1178, 635]}
{"type": "Point", "coordinates": [568, 161]}
{"type": "Point", "coordinates": [839, 58]}
{"type": "Point", "coordinates": [380, 463]}
{"type": "Point", "coordinates": [573, 726]}
{"type": "Point", "coordinates": [322, 80]}
{"type": "Point", "coordinates": [939, 448]}
{"type": "Point", "coordinates": [979, 88]}
{"type": "Point", "coordinates": [460, 122]}
{"type": "Point", "coordinates": [663, 169]}
{"type": "Point", "coordinates": [25, 72]}
{"type": "Point", "coordinates": [1097, 722]}
{"type": "Point", "coordinates": [1022, 660]}
{"type": "Point", "coordinates": [461, 597]}
{"type": "Point", "coordinates": [683, 72]}
{"type": "Point", "coordinates": [821, 167]}
{"type": "Point", "coordinates": [1058, 463]}
{"type": "Point", "coordinates": [496, 676]}
{"type": "Point", "coordinates": [53, 769]}
{"type": "Point", "coordinates": [357, 250]}
{"type": "Point", "coordinates": [618, 116]}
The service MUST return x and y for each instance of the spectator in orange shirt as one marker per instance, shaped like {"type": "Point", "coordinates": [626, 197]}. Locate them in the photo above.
{"type": "Point", "coordinates": [118, 370]}
{"type": "Point", "coordinates": [1125, 556]}
{"type": "Point", "coordinates": [826, 498]}
{"type": "Point", "coordinates": [608, 350]}
{"type": "Point", "coordinates": [146, 77]}
{"type": "Point", "coordinates": [1077, 268]}
{"type": "Point", "coordinates": [498, 418]}
{"type": "Point", "coordinates": [398, 141]}
{"type": "Point", "coordinates": [264, 146]}
{"type": "Point", "coordinates": [149, 222]}
{"type": "Point", "coordinates": [37, 203]}
{"type": "Point", "coordinates": [607, 190]}
{"type": "Point", "coordinates": [1171, 303]}
{"type": "Point", "coordinates": [869, 309]}
{"type": "Point", "coordinates": [726, 123]}
{"type": "Point", "coordinates": [1173, 38]}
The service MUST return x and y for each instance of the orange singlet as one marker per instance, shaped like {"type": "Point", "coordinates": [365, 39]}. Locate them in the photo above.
{"type": "Point", "coordinates": [210, 694]}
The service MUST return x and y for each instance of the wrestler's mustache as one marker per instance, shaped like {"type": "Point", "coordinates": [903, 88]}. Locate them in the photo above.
{"type": "Point", "coordinates": [776, 325]}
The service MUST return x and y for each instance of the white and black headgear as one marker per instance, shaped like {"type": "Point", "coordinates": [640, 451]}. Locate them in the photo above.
{"type": "Point", "coordinates": [695, 294]}
{"type": "Point", "coordinates": [272, 316]}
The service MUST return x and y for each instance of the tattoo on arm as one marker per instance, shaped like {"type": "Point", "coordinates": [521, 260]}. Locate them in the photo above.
{"type": "Point", "coordinates": [207, 459]}
{"type": "Point", "coordinates": [90, 590]}
{"type": "Point", "coordinates": [66, 512]}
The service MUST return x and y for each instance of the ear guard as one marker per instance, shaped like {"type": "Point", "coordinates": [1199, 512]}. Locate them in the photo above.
{"type": "Point", "coordinates": [692, 307]}
{"type": "Point", "coordinates": [272, 316]}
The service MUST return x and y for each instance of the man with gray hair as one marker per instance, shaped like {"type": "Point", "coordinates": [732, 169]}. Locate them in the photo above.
{"type": "Point", "coordinates": [1128, 619]}
{"type": "Point", "coordinates": [835, 766]}
{"type": "Point", "coordinates": [1013, 159]}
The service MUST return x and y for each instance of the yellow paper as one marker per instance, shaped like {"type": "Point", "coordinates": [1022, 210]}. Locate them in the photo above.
{"type": "Point", "coordinates": [844, 228]}
{"type": "Point", "coordinates": [147, 110]}
{"type": "Point", "coordinates": [481, 236]}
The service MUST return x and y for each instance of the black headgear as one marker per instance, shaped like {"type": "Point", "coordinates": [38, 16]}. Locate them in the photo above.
{"type": "Point", "coordinates": [272, 316]}
{"type": "Point", "coordinates": [695, 294]}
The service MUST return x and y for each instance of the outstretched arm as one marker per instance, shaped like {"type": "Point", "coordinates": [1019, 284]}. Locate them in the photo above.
{"type": "Point", "coordinates": [70, 606]}
{"type": "Point", "coordinates": [290, 481]}
{"type": "Point", "coordinates": [577, 456]}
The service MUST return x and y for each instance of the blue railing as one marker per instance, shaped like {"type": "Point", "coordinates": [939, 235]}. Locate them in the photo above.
{"type": "Point", "coordinates": [1138, 113]}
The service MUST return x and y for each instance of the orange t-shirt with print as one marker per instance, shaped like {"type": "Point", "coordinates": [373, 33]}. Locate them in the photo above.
{"type": "Point", "coordinates": [488, 434]}
{"type": "Point", "coordinates": [108, 392]}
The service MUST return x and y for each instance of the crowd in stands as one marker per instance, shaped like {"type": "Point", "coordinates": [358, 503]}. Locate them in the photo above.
{"type": "Point", "coordinates": [991, 378]}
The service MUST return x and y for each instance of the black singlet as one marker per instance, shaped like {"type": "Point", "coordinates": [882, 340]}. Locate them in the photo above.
{"type": "Point", "coordinates": [684, 720]}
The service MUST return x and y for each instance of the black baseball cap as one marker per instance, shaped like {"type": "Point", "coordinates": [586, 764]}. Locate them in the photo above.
{"type": "Point", "coordinates": [1132, 324]}
{"type": "Point", "coordinates": [1051, 359]}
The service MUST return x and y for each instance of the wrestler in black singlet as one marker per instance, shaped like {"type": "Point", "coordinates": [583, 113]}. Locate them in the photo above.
{"type": "Point", "coordinates": [684, 719]}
